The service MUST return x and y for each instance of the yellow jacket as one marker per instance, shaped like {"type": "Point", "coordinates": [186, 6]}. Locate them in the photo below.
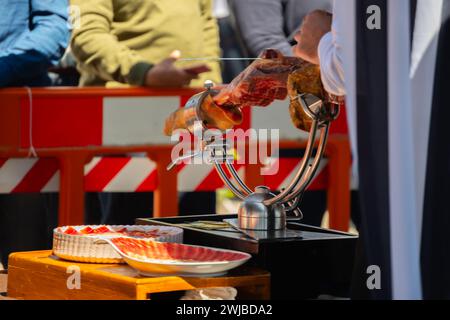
{"type": "Point", "coordinates": [117, 41]}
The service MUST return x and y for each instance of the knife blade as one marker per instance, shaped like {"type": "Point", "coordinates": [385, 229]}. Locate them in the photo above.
{"type": "Point", "coordinates": [219, 59]}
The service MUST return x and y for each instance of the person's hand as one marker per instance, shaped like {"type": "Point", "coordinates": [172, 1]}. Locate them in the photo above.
{"type": "Point", "coordinates": [315, 25]}
{"type": "Point", "coordinates": [165, 74]}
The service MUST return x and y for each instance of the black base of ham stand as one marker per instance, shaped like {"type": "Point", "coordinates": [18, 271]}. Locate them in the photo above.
{"type": "Point", "coordinates": [304, 261]}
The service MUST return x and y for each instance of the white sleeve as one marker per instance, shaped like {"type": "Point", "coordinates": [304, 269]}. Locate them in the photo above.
{"type": "Point", "coordinates": [330, 57]}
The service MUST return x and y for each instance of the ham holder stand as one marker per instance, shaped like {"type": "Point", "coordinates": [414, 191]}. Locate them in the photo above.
{"type": "Point", "coordinates": [261, 210]}
{"type": "Point", "coordinates": [267, 225]}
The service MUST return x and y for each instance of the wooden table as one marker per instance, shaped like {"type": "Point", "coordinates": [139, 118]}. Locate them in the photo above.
{"type": "Point", "coordinates": [39, 275]}
{"type": "Point", "coordinates": [3, 282]}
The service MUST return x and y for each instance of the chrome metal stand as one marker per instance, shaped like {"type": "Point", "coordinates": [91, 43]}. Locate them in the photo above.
{"type": "Point", "coordinates": [260, 209]}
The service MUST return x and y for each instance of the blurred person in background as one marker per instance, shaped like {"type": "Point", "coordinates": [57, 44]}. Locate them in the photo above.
{"type": "Point", "coordinates": [33, 37]}
{"type": "Point", "coordinates": [131, 42]}
{"type": "Point", "coordinates": [65, 73]}
{"type": "Point", "coordinates": [139, 43]}
{"type": "Point", "coordinates": [229, 42]}
{"type": "Point", "coordinates": [273, 24]}
{"type": "Point", "coordinates": [263, 24]}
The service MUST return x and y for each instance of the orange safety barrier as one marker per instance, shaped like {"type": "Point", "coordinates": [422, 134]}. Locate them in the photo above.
{"type": "Point", "coordinates": [74, 125]}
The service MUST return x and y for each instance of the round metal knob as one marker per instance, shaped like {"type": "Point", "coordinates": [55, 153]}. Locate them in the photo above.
{"type": "Point", "coordinates": [262, 190]}
{"type": "Point", "coordinates": [208, 84]}
{"type": "Point", "coordinates": [253, 214]}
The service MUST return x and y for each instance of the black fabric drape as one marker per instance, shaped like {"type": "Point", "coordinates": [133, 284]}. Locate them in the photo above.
{"type": "Point", "coordinates": [435, 256]}
{"type": "Point", "coordinates": [372, 130]}
{"type": "Point", "coordinates": [412, 18]}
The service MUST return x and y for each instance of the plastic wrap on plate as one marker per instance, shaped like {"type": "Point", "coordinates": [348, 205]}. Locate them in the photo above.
{"type": "Point", "coordinates": [220, 293]}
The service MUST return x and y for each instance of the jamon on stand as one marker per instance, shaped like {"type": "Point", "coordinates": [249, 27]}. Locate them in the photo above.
{"type": "Point", "coordinates": [271, 77]}
{"type": "Point", "coordinates": [261, 83]}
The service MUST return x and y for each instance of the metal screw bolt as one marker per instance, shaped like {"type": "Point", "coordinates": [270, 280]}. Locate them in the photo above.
{"type": "Point", "coordinates": [208, 84]}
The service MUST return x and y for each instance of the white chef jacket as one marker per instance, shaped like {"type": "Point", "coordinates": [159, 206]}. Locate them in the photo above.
{"type": "Point", "coordinates": [337, 56]}
{"type": "Point", "coordinates": [331, 52]}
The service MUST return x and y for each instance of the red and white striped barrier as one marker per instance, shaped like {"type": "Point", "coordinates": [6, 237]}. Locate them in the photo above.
{"type": "Point", "coordinates": [130, 174]}
{"type": "Point", "coordinates": [119, 121]}
{"type": "Point", "coordinates": [54, 122]}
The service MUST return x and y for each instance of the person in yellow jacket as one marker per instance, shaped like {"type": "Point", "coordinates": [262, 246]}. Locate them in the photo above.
{"type": "Point", "coordinates": [138, 42]}
{"type": "Point", "coordinates": [119, 42]}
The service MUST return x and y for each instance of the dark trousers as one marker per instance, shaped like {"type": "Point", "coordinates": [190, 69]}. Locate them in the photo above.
{"type": "Point", "coordinates": [124, 208]}
{"type": "Point", "coordinates": [117, 207]}
{"type": "Point", "coordinates": [314, 204]}
{"type": "Point", "coordinates": [26, 222]}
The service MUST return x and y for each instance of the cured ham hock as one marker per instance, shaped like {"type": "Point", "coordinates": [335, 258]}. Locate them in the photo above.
{"type": "Point", "coordinates": [271, 77]}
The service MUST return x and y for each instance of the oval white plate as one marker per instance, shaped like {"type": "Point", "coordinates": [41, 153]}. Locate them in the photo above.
{"type": "Point", "coordinates": [152, 258]}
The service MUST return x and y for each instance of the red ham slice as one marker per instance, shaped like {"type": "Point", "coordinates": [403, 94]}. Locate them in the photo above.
{"type": "Point", "coordinates": [152, 250]}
